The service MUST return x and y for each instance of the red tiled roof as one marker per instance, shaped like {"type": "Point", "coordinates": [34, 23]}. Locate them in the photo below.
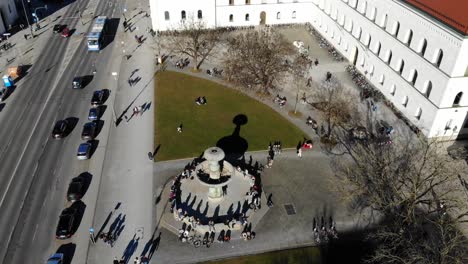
{"type": "Point", "coordinates": [451, 12]}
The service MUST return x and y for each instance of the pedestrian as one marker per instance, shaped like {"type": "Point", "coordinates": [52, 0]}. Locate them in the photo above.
{"type": "Point", "coordinates": [137, 260]}
{"type": "Point", "coordinates": [316, 62]}
{"type": "Point", "coordinates": [26, 36]}
{"type": "Point", "coordinates": [135, 110]}
{"type": "Point", "coordinates": [179, 128]}
{"type": "Point", "coordinates": [129, 81]}
{"type": "Point", "coordinates": [122, 261]}
{"type": "Point", "coordinates": [140, 110]}
{"type": "Point", "coordinates": [91, 235]}
{"type": "Point", "coordinates": [329, 75]}
{"type": "Point", "coordinates": [299, 152]}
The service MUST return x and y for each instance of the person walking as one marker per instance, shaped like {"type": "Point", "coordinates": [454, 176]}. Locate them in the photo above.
{"type": "Point", "coordinates": [299, 152]}
{"type": "Point", "coordinates": [116, 261]}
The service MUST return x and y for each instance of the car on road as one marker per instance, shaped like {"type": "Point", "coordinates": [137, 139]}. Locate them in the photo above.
{"type": "Point", "coordinates": [58, 28]}
{"type": "Point", "coordinates": [84, 151]}
{"type": "Point", "coordinates": [56, 258]}
{"type": "Point", "coordinates": [76, 189]}
{"type": "Point", "coordinates": [77, 83]}
{"type": "Point", "coordinates": [98, 98]}
{"type": "Point", "coordinates": [66, 222]}
{"type": "Point", "coordinates": [3, 94]}
{"type": "Point", "coordinates": [65, 32]}
{"type": "Point", "coordinates": [89, 131]}
{"type": "Point", "coordinates": [60, 129]}
{"type": "Point", "coordinates": [94, 114]}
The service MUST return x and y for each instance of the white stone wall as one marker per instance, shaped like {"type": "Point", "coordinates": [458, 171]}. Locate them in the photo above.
{"type": "Point", "coordinates": [357, 28]}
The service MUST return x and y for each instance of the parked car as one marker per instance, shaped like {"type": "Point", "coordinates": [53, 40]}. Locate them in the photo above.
{"type": "Point", "coordinates": [58, 28]}
{"type": "Point", "coordinates": [77, 83]}
{"type": "Point", "coordinates": [65, 32]}
{"type": "Point", "coordinates": [60, 129]}
{"type": "Point", "coordinates": [3, 94]}
{"type": "Point", "coordinates": [76, 189]}
{"type": "Point", "coordinates": [94, 114]}
{"type": "Point", "coordinates": [66, 222]}
{"type": "Point", "coordinates": [84, 151]}
{"type": "Point", "coordinates": [56, 258]}
{"type": "Point", "coordinates": [98, 98]}
{"type": "Point", "coordinates": [89, 131]}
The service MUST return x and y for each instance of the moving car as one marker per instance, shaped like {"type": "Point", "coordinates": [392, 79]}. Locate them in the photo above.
{"type": "Point", "coordinates": [84, 151]}
{"type": "Point", "coordinates": [65, 32]}
{"type": "Point", "coordinates": [77, 83]}
{"type": "Point", "coordinates": [89, 131]}
{"type": "Point", "coordinates": [94, 114]}
{"type": "Point", "coordinates": [76, 189]}
{"type": "Point", "coordinates": [58, 28]}
{"type": "Point", "coordinates": [56, 258]}
{"type": "Point", "coordinates": [98, 98]}
{"type": "Point", "coordinates": [65, 224]}
{"type": "Point", "coordinates": [60, 129]}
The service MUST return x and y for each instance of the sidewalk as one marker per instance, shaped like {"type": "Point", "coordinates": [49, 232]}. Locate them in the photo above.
{"type": "Point", "coordinates": [125, 202]}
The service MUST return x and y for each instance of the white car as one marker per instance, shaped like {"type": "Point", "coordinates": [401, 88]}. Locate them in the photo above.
{"type": "Point", "coordinates": [298, 44]}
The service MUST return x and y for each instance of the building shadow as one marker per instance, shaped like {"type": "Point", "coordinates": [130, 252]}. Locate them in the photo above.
{"type": "Point", "coordinates": [234, 146]}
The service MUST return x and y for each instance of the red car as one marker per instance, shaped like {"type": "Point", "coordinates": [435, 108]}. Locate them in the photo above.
{"type": "Point", "coordinates": [66, 32]}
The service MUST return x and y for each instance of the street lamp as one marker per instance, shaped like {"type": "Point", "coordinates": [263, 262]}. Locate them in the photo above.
{"type": "Point", "coordinates": [27, 19]}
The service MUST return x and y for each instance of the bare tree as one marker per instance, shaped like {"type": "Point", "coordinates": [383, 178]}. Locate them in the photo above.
{"type": "Point", "coordinates": [335, 104]}
{"type": "Point", "coordinates": [194, 40]}
{"type": "Point", "coordinates": [257, 59]}
{"type": "Point", "coordinates": [413, 185]}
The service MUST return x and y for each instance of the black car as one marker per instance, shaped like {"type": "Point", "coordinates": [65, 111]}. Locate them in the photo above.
{"type": "Point", "coordinates": [3, 94]}
{"type": "Point", "coordinates": [66, 222]}
{"type": "Point", "coordinates": [58, 28]}
{"type": "Point", "coordinates": [89, 131]}
{"type": "Point", "coordinates": [98, 98]}
{"type": "Point", "coordinates": [76, 189]}
{"type": "Point", "coordinates": [77, 83]}
{"type": "Point", "coordinates": [60, 129]}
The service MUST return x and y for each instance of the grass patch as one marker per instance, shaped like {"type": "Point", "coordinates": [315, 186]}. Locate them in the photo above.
{"type": "Point", "coordinates": [307, 255]}
{"type": "Point", "coordinates": [204, 125]}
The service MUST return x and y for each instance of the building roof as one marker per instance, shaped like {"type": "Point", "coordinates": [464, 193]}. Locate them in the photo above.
{"type": "Point", "coordinates": [450, 12]}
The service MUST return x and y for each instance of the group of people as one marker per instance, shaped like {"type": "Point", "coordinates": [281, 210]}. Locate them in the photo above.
{"type": "Point", "coordinates": [137, 260]}
{"type": "Point", "coordinates": [280, 100]}
{"type": "Point", "coordinates": [182, 63]}
{"type": "Point", "coordinates": [214, 72]}
{"type": "Point", "coordinates": [247, 233]}
{"type": "Point", "coordinates": [201, 100]}
{"type": "Point", "coordinates": [273, 149]}
{"type": "Point", "coordinates": [324, 232]}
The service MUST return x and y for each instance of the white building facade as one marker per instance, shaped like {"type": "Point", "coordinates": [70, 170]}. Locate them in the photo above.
{"type": "Point", "coordinates": [419, 62]}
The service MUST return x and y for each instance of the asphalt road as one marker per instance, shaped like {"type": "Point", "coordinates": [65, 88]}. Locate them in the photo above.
{"type": "Point", "coordinates": [34, 168]}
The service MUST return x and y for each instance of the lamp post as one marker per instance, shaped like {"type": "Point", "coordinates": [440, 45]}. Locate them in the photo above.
{"type": "Point", "coordinates": [27, 19]}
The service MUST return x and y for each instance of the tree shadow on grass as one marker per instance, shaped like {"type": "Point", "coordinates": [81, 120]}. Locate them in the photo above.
{"type": "Point", "coordinates": [234, 146]}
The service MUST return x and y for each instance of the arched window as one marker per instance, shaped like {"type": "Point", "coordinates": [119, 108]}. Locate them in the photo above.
{"type": "Point", "coordinates": [384, 21]}
{"type": "Point", "coordinates": [373, 13]}
{"type": "Point", "coordinates": [199, 14]}
{"type": "Point", "coordinates": [389, 56]}
{"type": "Point", "coordinates": [364, 8]}
{"type": "Point", "coordinates": [369, 39]}
{"type": "Point", "coordinates": [231, 18]}
{"type": "Point", "coordinates": [414, 77]}
{"type": "Point", "coordinates": [396, 29]}
{"type": "Point", "coordinates": [358, 33]}
{"type": "Point", "coordinates": [404, 102]}
{"type": "Point", "coordinates": [418, 113]}
{"type": "Point", "coordinates": [382, 79]}
{"type": "Point", "coordinates": [231, 2]}
{"type": "Point", "coordinates": [393, 90]}
{"type": "Point", "coordinates": [278, 15]}
{"type": "Point", "coordinates": [409, 37]}
{"type": "Point", "coordinates": [294, 14]}
{"type": "Point", "coordinates": [166, 15]}
{"type": "Point", "coordinates": [427, 89]}
{"type": "Point", "coordinates": [182, 14]}
{"type": "Point", "coordinates": [438, 57]}
{"type": "Point", "coordinates": [377, 48]}
{"type": "Point", "coordinates": [247, 17]}
{"type": "Point", "coordinates": [401, 66]}
{"type": "Point", "coordinates": [458, 98]}
{"type": "Point", "coordinates": [422, 47]}
{"type": "Point", "coordinates": [247, 2]}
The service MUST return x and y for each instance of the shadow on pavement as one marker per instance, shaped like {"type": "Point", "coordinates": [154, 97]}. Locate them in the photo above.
{"type": "Point", "coordinates": [68, 251]}
{"type": "Point", "coordinates": [112, 25]}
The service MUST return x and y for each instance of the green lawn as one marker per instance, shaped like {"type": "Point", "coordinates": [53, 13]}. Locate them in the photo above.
{"type": "Point", "coordinates": [307, 255]}
{"type": "Point", "coordinates": [204, 125]}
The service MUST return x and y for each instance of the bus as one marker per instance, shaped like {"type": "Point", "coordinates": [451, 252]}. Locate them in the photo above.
{"type": "Point", "coordinates": [96, 36]}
